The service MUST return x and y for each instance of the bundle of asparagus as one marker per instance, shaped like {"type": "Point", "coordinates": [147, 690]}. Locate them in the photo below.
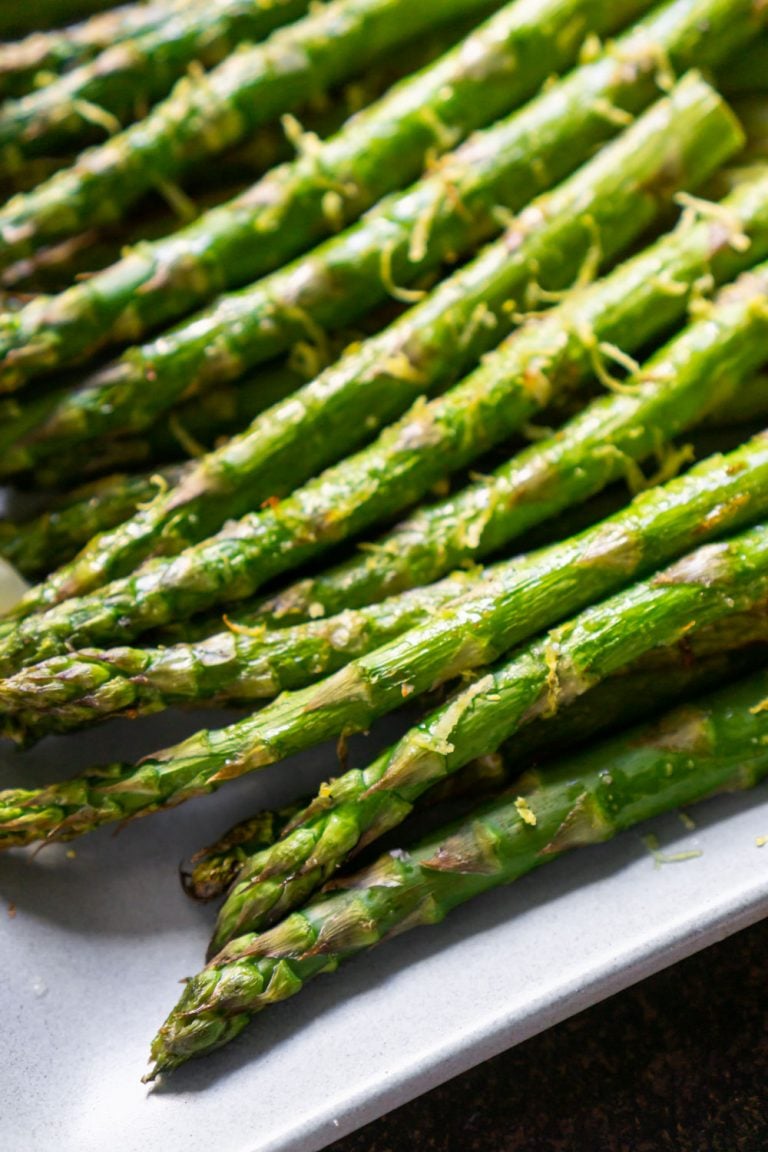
{"type": "Point", "coordinates": [611, 298]}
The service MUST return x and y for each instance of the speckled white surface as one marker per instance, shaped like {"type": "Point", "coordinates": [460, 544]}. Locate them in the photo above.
{"type": "Point", "coordinates": [92, 959]}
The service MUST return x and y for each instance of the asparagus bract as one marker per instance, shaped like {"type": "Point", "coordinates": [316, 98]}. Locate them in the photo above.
{"type": "Point", "coordinates": [591, 216]}
{"type": "Point", "coordinates": [719, 743]}
{"type": "Point", "coordinates": [538, 680]}
{"type": "Point", "coordinates": [130, 75]}
{"type": "Point", "coordinates": [616, 315]}
{"type": "Point", "coordinates": [382, 149]}
{"type": "Point", "coordinates": [202, 117]}
{"type": "Point", "coordinates": [696, 372]}
{"type": "Point", "coordinates": [36, 546]}
{"type": "Point", "coordinates": [533, 592]}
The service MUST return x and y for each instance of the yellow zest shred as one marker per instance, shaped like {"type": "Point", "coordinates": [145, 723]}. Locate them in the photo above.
{"type": "Point", "coordinates": [695, 208]}
{"type": "Point", "coordinates": [651, 842]}
{"type": "Point", "coordinates": [95, 114]}
{"type": "Point", "coordinates": [405, 295]}
{"type": "Point", "coordinates": [257, 632]}
{"type": "Point", "coordinates": [525, 812]}
{"type": "Point", "coordinates": [177, 199]}
{"type": "Point", "coordinates": [191, 446]}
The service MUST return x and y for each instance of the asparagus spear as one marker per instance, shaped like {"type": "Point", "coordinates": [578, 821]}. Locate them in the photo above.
{"type": "Point", "coordinates": [16, 20]}
{"type": "Point", "coordinates": [35, 546]}
{"type": "Point", "coordinates": [701, 367]}
{"type": "Point", "coordinates": [234, 666]}
{"type": "Point", "coordinates": [24, 63]}
{"type": "Point", "coordinates": [187, 430]}
{"type": "Point", "coordinates": [717, 744]}
{"type": "Point", "coordinates": [202, 117]}
{"type": "Point", "coordinates": [538, 679]}
{"type": "Point", "coordinates": [602, 205]}
{"type": "Point", "coordinates": [538, 483]}
{"type": "Point", "coordinates": [96, 99]}
{"type": "Point", "coordinates": [377, 152]}
{"type": "Point", "coordinates": [630, 696]}
{"type": "Point", "coordinates": [471, 632]}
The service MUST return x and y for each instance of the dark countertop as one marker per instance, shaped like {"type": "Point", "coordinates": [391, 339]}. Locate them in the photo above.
{"type": "Point", "coordinates": [678, 1063]}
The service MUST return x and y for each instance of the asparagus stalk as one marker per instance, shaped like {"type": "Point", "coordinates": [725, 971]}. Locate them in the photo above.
{"type": "Point", "coordinates": [101, 96]}
{"type": "Point", "coordinates": [36, 546]}
{"type": "Point", "coordinates": [470, 633]}
{"type": "Point", "coordinates": [545, 479]}
{"type": "Point", "coordinates": [537, 680]}
{"type": "Point", "coordinates": [630, 696]}
{"type": "Point", "coordinates": [202, 117]}
{"type": "Point", "coordinates": [378, 151]}
{"type": "Point", "coordinates": [243, 664]}
{"type": "Point", "coordinates": [234, 666]}
{"type": "Point", "coordinates": [701, 367]}
{"type": "Point", "coordinates": [596, 210]}
{"type": "Point", "coordinates": [25, 63]}
{"type": "Point", "coordinates": [402, 237]}
{"type": "Point", "coordinates": [717, 744]}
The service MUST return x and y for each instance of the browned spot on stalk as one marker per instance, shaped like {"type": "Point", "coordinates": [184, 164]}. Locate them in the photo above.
{"type": "Point", "coordinates": [705, 566]}
{"type": "Point", "coordinates": [687, 731]}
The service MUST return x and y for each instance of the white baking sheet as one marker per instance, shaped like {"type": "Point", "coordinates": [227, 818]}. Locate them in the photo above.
{"type": "Point", "coordinates": [92, 958]}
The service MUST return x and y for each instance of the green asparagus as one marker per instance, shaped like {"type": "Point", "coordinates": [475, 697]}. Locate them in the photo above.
{"type": "Point", "coordinates": [537, 681]}
{"type": "Point", "coordinates": [234, 666]}
{"type": "Point", "coordinates": [98, 98]}
{"type": "Point", "coordinates": [533, 592]}
{"type": "Point", "coordinates": [591, 216]}
{"type": "Point", "coordinates": [25, 63]}
{"type": "Point", "coordinates": [205, 115]}
{"type": "Point", "coordinates": [628, 697]}
{"type": "Point", "coordinates": [378, 151]}
{"type": "Point", "coordinates": [697, 370]}
{"type": "Point", "coordinates": [716, 744]}
{"type": "Point", "coordinates": [38, 545]}
{"type": "Point", "coordinates": [405, 235]}
{"type": "Point", "coordinates": [612, 317]}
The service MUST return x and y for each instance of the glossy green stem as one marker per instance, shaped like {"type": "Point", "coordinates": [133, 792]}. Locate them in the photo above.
{"type": "Point", "coordinates": [622, 700]}
{"type": "Point", "coordinates": [235, 666]}
{"type": "Point", "coordinates": [588, 218]}
{"type": "Point", "coordinates": [696, 371]}
{"type": "Point", "coordinates": [24, 64]}
{"type": "Point", "coordinates": [634, 420]}
{"type": "Point", "coordinates": [538, 680]}
{"type": "Point", "coordinates": [205, 115]}
{"type": "Point", "coordinates": [529, 595]}
{"type": "Point", "coordinates": [36, 546]}
{"type": "Point", "coordinates": [102, 96]}
{"type": "Point", "coordinates": [326, 188]}
{"type": "Point", "coordinates": [716, 744]}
